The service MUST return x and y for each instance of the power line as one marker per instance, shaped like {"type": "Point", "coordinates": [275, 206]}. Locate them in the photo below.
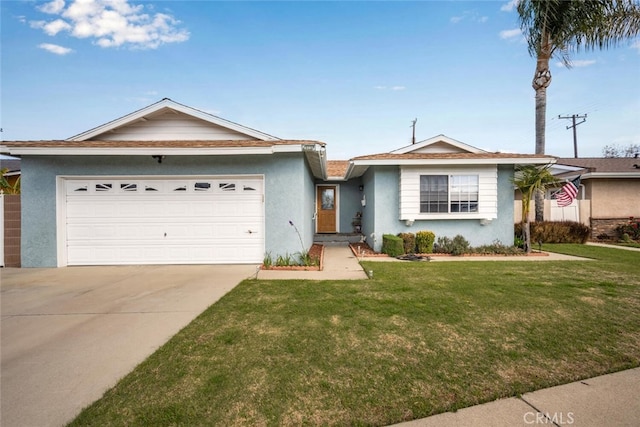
{"type": "Point", "coordinates": [573, 118]}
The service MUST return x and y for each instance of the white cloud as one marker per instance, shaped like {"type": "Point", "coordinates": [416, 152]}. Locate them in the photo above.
{"type": "Point", "coordinates": [508, 7]}
{"type": "Point", "coordinates": [471, 15]}
{"type": "Point", "coordinates": [510, 34]}
{"type": "Point", "coordinates": [53, 7]}
{"type": "Point", "coordinates": [111, 23]}
{"type": "Point", "coordinates": [398, 87]}
{"type": "Point", "coordinates": [636, 45]}
{"type": "Point", "coordinates": [51, 28]}
{"type": "Point", "coordinates": [54, 48]}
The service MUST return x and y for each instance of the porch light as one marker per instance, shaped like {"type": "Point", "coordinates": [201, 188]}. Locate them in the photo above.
{"type": "Point", "coordinates": [158, 158]}
{"type": "Point", "coordinates": [485, 221]}
{"type": "Point", "coordinates": [409, 222]}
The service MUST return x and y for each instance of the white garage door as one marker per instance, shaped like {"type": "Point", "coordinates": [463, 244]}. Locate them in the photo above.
{"type": "Point", "coordinates": [164, 221]}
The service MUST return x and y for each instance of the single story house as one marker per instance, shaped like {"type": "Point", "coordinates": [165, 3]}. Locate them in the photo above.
{"type": "Point", "coordinates": [609, 193]}
{"type": "Point", "coordinates": [170, 184]}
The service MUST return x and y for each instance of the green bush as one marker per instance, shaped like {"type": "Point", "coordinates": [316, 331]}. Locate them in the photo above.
{"type": "Point", "coordinates": [408, 242]}
{"type": "Point", "coordinates": [424, 241]}
{"type": "Point", "coordinates": [392, 245]}
{"type": "Point", "coordinates": [557, 232]}
{"type": "Point", "coordinates": [456, 246]}
{"type": "Point", "coordinates": [631, 228]}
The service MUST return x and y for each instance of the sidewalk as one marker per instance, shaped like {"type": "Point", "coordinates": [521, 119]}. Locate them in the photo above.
{"type": "Point", "coordinates": [608, 400]}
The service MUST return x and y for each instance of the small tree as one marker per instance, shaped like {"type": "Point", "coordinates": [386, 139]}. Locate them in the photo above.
{"type": "Point", "coordinates": [531, 180]}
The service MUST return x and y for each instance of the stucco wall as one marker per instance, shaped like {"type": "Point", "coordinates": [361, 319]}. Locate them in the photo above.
{"type": "Point", "coordinates": [350, 196]}
{"type": "Point", "coordinates": [287, 180]}
{"type": "Point", "coordinates": [614, 198]}
{"type": "Point", "coordinates": [385, 218]}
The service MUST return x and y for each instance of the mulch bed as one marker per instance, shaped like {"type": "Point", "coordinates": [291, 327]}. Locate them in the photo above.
{"type": "Point", "coordinates": [316, 252]}
{"type": "Point", "coordinates": [361, 249]}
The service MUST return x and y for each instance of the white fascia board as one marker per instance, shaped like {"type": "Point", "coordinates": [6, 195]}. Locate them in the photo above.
{"type": "Point", "coordinates": [632, 175]}
{"type": "Point", "coordinates": [167, 103]}
{"type": "Point", "coordinates": [419, 162]}
{"type": "Point", "coordinates": [435, 139]}
{"type": "Point", "coordinates": [39, 151]}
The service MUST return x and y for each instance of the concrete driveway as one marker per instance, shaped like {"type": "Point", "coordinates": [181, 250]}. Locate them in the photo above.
{"type": "Point", "coordinates": [69, 334]}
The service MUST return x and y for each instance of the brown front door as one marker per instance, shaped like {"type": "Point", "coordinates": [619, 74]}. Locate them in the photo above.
{"type": "Point", "coordinates": [327, 206]}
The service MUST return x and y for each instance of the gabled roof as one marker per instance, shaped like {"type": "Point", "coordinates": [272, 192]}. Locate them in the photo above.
{"type": "Point", "coordinates": [438, 144]}
{"type": "Point", "coordinates": [440, 150]}
{"type": "Point", "coordinates": [167, 104]}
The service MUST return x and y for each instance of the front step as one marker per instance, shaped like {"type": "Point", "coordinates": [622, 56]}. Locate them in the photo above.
{"type": "Point", "coordinates": [338, 238]}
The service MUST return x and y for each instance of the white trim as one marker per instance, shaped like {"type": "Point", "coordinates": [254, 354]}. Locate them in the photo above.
{"type": "Point", "coordinates": [434, 140]}
{"type": "Point", "coordinates": [167, 151]}
{"type": "Point", "coordinates": [337, 201]}
{"type": "Point", "coordinates": [593, 175]}
{"type": "Point", "coordinates": [483, 161]}
{"type": "Point", "coordinates": [168, 103]}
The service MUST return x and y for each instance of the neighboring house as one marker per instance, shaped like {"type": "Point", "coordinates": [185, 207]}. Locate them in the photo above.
{"type": "Point", "coordinates": [169, 184]}
{"type": "Point", "coordinates": [609, 192]}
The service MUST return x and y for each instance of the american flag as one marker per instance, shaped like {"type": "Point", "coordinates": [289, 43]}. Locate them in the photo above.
{"type": "Point", "coordinates": [568, 192]}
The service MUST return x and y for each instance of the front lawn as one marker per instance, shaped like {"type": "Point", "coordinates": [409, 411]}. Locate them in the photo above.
{"type": "Point", "coordinates": [418, 339]}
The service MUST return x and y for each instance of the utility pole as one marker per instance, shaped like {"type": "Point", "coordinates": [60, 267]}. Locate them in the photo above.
{"type": "Point", "coordinates": [413, 125]}
{"type": "Point", "coordinates": [573, 118]}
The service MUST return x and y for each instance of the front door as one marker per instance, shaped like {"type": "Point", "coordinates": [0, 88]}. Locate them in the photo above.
{"type": "Point", "coordinates": [327, 206]}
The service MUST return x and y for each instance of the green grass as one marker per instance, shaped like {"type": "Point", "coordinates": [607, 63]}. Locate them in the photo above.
{"type": "Point", "coordinates": [418, 339]}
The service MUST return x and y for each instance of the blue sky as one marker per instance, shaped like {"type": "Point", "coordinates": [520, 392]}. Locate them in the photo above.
{"type": "Point", "coordinates": [351, 74]}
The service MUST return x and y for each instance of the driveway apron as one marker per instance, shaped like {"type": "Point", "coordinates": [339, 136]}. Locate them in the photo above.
{"type": "Point", "coordinates": [69, 334]}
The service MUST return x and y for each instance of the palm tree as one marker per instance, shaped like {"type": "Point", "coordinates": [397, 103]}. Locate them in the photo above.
{"type": "Point", "coordinates": [531, 180]}
{"type": "Point", "coordinates": [557, 28]}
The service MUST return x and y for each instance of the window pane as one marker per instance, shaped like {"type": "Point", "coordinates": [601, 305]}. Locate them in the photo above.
{"type": "Point", "coordinates": [464, 193]}
{"type": "Point", "coordinates": [434, 193]}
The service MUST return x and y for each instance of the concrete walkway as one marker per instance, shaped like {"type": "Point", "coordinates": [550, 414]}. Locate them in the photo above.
{"type": "Point", "coordinates": [604, 245]}
{"type": "Point", "coordinates": [608, 400]}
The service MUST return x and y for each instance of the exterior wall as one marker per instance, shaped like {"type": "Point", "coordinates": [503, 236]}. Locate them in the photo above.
{"type": "Point", "coordinates": [11, 231]}
{"type": "Point", "coordinates": [387, 203]}
{"type": "Point", "coordinates": [350, 196]}
{"type": "Point", "coordinates": [170, 126]}
{"type": "Point", "coordinates": [614, 198]}
{"type": "Point", "coordinates": [287, 179]}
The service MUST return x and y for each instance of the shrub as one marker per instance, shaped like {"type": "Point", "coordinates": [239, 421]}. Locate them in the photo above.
{"type": "Point", "coordinates": [497, 248]}
{"type": "Point", "coordinates": [631, 228]}
{"type": "Point", "coordinates": [557, 232]}
{"type": "Point", "coordinates": [456, 246]}
{"type": "Point", "coordinates": [408, 242]}
{"type": "Point", "coordinates": [392, 245]}
{"type": "Point", "coordinates": [424, 241]}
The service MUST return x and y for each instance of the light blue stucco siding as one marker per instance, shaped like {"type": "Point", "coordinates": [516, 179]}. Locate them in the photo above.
{"type": "Point", "coordinates": [385, 218]}
{"type": "Point", "coordinates": [288, 193]}
{"type": "Point", "coordinates": [350, 196]}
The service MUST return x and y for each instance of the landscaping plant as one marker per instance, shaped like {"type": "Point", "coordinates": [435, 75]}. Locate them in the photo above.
{"type": "Point", "coordinates": [424, 241]}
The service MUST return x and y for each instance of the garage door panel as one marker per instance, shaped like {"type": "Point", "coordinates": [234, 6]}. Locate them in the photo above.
{"type": "Point", "coordinates": [124, 221]}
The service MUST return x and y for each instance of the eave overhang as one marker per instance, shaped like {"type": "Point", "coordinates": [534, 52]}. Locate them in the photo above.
{"type": "Point", "coordinates": [357, 167]}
